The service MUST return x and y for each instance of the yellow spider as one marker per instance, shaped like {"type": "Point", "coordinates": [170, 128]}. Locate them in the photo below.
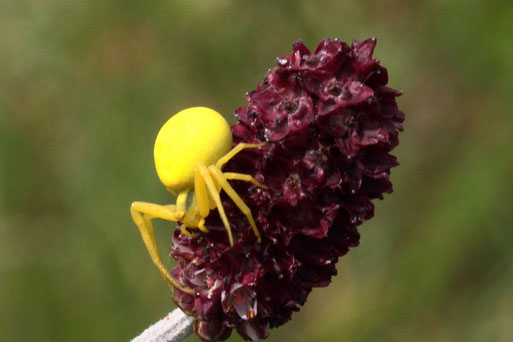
{"type": "Point", "coordinates": [190, 151]}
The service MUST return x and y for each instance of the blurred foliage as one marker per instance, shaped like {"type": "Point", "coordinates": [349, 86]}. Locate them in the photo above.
{"type": "Point", "coordinates": [85, 86]}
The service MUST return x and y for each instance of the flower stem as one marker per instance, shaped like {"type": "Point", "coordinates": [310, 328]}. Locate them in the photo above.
{"type": "Point", "coordinates": [175, 327]}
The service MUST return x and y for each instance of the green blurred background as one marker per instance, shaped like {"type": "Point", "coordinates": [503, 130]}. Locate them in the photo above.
{"type": "Point", "coordinates": [86, 85]}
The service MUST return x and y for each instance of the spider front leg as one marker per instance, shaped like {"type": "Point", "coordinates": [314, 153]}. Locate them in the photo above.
{"type": "Point", "coordinates": [239, 202]}
{"type": "Point", "coordinates": [241, 146]}
{"type": "Point", "coordinates": [143, 222]}
{"type": "Point", "coordinates": [209, 181]}
{"type": "Point", "coordinates": [243, 177]}
{"type": "Point", "coordinates": [203, 182]}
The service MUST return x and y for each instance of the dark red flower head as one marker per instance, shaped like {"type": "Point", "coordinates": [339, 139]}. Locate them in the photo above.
{"type": "Point", "coordinates": [329, 123]}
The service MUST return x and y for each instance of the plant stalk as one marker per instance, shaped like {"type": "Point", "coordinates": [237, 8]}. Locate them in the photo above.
{"type": "Point", "coordinates": [175, 327]}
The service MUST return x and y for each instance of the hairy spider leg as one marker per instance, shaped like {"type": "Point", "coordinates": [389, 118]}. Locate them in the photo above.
{"type": "Point", "coordinates": [218, 176]}
{"type": "Point", "coordinates": [207, 188]}
{"type": "Point", "coordinates": [203, 179]}
{"type": "Point", "coordinates": [241, 146]}
{"type": "Point", "coordinates": [243, 177]}
{"type": "Point", "coordinates": [143, 222]}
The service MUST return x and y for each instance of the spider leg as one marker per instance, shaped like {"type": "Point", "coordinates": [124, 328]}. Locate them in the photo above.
{"type": "Point", "coordinates": [181, 205]}
{"type": "Point", "coordinates": [202, 176]}
{"type": "Point", "coordinates": [184, 231]}
{"type": "Point", "coordinates": [224, 159]}
{"type": "Point", "coordinates": [200, 191]}
{"type": "Point", "coordinates": [201, 225]}
{"type": "Point", "coordinates": [143, 222]}
{"type": "Point", "coordinates": [193, 218]}
{"type": "Point", "coordinates": [243, 177]}
{"type": "Point", "coordinates": [220, 178]}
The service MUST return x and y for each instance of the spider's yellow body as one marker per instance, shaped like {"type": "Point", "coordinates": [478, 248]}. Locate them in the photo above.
{"type": "Point", "coordinates": [190, 151]}
{"type": "Point", "coordinates": [191, 137]}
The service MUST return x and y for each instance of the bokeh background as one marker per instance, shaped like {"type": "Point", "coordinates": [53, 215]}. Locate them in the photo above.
{"type": "Point", "coordinates": [85, 86]}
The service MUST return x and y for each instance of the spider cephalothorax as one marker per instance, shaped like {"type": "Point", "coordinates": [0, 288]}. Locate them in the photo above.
{"type": "Point", "coordinates": [190, 151]}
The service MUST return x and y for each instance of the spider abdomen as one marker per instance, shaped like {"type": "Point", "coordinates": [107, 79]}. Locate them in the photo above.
{"type": "Point", "coordinates": [194, 136]}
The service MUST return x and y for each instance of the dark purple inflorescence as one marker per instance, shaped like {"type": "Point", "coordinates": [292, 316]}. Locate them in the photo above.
{"type": "Point", "coordinates": [329, 123]}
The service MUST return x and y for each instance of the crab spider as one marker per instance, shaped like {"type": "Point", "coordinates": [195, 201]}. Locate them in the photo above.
{"type": "Point", "coordinates": [190, 151]}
